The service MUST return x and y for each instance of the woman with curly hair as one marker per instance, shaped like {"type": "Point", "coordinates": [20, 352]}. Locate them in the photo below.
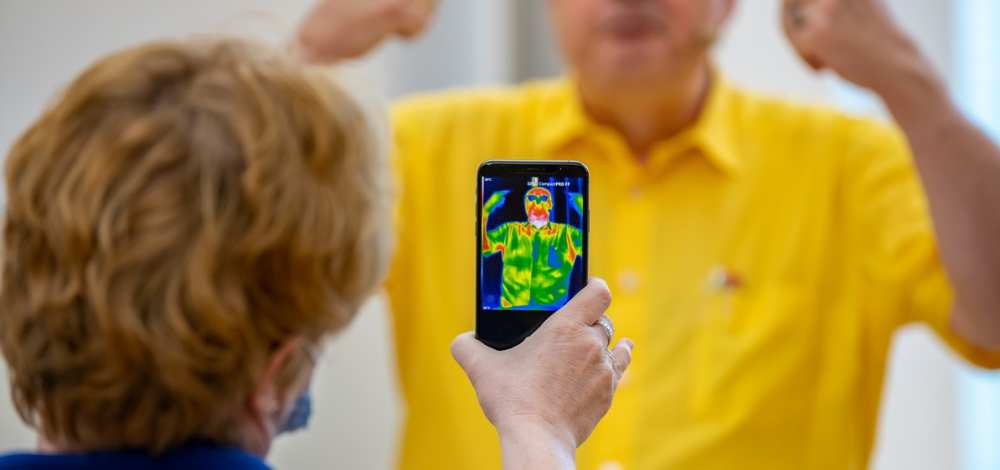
{"type": "Point", "coordinates": [186, 225]}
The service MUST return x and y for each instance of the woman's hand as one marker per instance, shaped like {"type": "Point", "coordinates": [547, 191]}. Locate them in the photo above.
{"type": "Point", "coordinates": [345, 29]}
{"type": "Point", "coordinates": [546, 395]}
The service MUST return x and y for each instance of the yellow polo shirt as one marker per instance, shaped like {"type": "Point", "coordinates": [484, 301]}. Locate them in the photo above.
{"type": "Point", "coordinates": [818, 219]}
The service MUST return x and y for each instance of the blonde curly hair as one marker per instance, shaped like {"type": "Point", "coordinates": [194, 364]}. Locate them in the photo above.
{"type": "Point", "coordinates": [179, 212]}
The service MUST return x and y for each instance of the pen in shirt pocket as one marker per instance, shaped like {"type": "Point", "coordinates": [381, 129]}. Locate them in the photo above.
{"type": "Point", "coordinates": [721, 286]}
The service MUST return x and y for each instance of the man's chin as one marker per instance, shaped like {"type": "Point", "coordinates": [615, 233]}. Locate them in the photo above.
{"type": "Point", "coordinates": [538, 222]}
{"type": "Point", "coordinates": [635, 53]}
{"type": "Point", "coordinates": [631, 65]}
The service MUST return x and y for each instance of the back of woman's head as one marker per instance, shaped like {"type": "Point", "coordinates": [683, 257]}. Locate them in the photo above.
{"type": "Point", "coordinates": [179, 212]}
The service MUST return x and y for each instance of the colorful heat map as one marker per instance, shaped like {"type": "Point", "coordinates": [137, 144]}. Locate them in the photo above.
{"type": "Point", "coordinates": [538, 253]}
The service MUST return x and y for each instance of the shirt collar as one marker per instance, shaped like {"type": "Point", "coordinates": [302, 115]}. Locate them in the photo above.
{"type": "Point", "coordinates": [549, 227]}
{"type": "Point", "coordinates": [714, 132]}
{"type": "Point", "coordinates": [563, 118]}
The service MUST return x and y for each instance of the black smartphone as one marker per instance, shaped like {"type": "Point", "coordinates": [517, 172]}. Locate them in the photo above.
{"type": "Point", "coordinates": [532, 231]}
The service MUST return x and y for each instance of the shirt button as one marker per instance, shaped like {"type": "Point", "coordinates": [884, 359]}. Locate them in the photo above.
{"type": "Point", "coordinates": [635, 193]}
{"type": "Point", "coordinates": [610, 465]}
{"type": "Point", "coordinates": [628, 282]}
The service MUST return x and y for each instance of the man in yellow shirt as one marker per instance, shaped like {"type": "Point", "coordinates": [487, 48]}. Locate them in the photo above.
{"type": "Point", "coordinates": [761, 253]}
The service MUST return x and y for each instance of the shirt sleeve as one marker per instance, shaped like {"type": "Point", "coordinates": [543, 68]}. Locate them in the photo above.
{"type": "Point", "coordinates": [575, 241]}
{"type": "Point", "coordinates": [406, 151]}
{"type": "Point", "coordinates": [496, 239]}
{"type": "Point", "coordinates": [903, 279]}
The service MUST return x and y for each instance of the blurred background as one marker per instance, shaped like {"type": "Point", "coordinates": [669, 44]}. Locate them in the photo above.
{"type": "Point", "coordinates": [938, 414]}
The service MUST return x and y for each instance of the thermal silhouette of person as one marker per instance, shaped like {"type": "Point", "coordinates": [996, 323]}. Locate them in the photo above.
{"type": "Point", "coordinates": [538, 254]}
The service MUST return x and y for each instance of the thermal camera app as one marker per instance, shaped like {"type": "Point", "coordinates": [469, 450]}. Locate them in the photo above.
{"type": "Point", "coordinates": [532, 242]}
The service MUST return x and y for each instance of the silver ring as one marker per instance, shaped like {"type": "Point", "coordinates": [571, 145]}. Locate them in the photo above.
{"type": "Point", "coordinates": [607, 328]}
{"type": "Point", "coordinates": [795, 17]}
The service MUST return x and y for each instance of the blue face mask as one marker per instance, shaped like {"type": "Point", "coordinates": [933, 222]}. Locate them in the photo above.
{"type": "Point", "coordinates": [298, 419]}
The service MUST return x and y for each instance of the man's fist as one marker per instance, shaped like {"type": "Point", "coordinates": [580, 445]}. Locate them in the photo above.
{"type": "Point", "coordinates": [857, 39]}
{"type": "Point", "coordinates": [344, 29]}
{"type": "Point", "coordinates": [495, 201]}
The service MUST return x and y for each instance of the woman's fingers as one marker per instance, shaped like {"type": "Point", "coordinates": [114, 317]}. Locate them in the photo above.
{"type": "Point", "coordinates": [469, 352]}
{"type": "Point", "coordinates": [605, 329]}
{"type": "Point", "coordinates": [587, 306]}
{"type": "Point", "coordinates": [622, 357]}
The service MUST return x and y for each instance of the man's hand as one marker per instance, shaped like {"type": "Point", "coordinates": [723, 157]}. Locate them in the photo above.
{"type": "Point", "coordinates": [344, 29]}
{"type": "Point", "coordinates": [575, 201]}
{"type": "Point", "coordinates": [547, 394]}
{"type": "Point", "coordinates": [495, 201]}
{"type": "Point", "coordinates": [858, 39]}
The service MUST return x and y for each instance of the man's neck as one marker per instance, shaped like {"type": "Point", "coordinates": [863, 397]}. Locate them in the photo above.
{"type": "Point", "coordinates": [538, 224]}
{"type": "Point", "coordinates": [646, 115]}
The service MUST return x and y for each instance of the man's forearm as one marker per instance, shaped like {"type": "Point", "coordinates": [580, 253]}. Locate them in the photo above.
{"type": "Point", "coordinates": [960, 170]}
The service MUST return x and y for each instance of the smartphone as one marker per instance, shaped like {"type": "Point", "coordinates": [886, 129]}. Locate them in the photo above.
{"type": "Point", "coordinates": [532, 245]}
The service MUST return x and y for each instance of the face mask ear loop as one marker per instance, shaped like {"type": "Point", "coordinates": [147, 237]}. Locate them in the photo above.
{"type": "Point", "coordinates": [298, 418]}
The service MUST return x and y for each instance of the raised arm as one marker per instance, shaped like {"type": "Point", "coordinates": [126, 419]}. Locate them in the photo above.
{"type": "Point", "coordinates": [958, 165]}
{"type": "Point", "coordinates": [493, 240]}
{"type": "Point", "coordinates": [345, 29]}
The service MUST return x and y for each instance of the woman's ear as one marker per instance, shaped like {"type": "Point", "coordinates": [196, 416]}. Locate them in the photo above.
{"type": "Point", "coordinates": [261, 417]}
{"type": "Point", "coordinates": [267, 397]}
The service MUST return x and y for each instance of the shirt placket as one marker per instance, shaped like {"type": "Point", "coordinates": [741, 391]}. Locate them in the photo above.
{"type": "Point", "coordinates": [629, 278]}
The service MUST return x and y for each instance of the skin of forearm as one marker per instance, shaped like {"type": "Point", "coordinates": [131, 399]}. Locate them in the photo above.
{"type": "Point", "coordinates": [533, 448]}
{"type": "Point", "coordinates": [960, 170]}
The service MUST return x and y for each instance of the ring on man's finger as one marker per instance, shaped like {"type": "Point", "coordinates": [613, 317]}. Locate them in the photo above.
{"type": "Point", "coordinates": [795, 17]}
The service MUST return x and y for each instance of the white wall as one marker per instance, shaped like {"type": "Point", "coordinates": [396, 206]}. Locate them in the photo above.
{"type": "Point", "coordinates": [44, 43]}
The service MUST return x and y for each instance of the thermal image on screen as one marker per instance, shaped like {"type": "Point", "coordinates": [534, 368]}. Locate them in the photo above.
{"type": "Point", "coordinates": [531, 248]}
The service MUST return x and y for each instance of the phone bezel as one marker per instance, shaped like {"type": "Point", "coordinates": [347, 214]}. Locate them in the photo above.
{"type": "Point", "coordinates": [510, 328]}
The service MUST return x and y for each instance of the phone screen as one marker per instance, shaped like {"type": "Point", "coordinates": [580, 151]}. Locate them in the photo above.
{"type": "Point", "coordinates": [532, 244]}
